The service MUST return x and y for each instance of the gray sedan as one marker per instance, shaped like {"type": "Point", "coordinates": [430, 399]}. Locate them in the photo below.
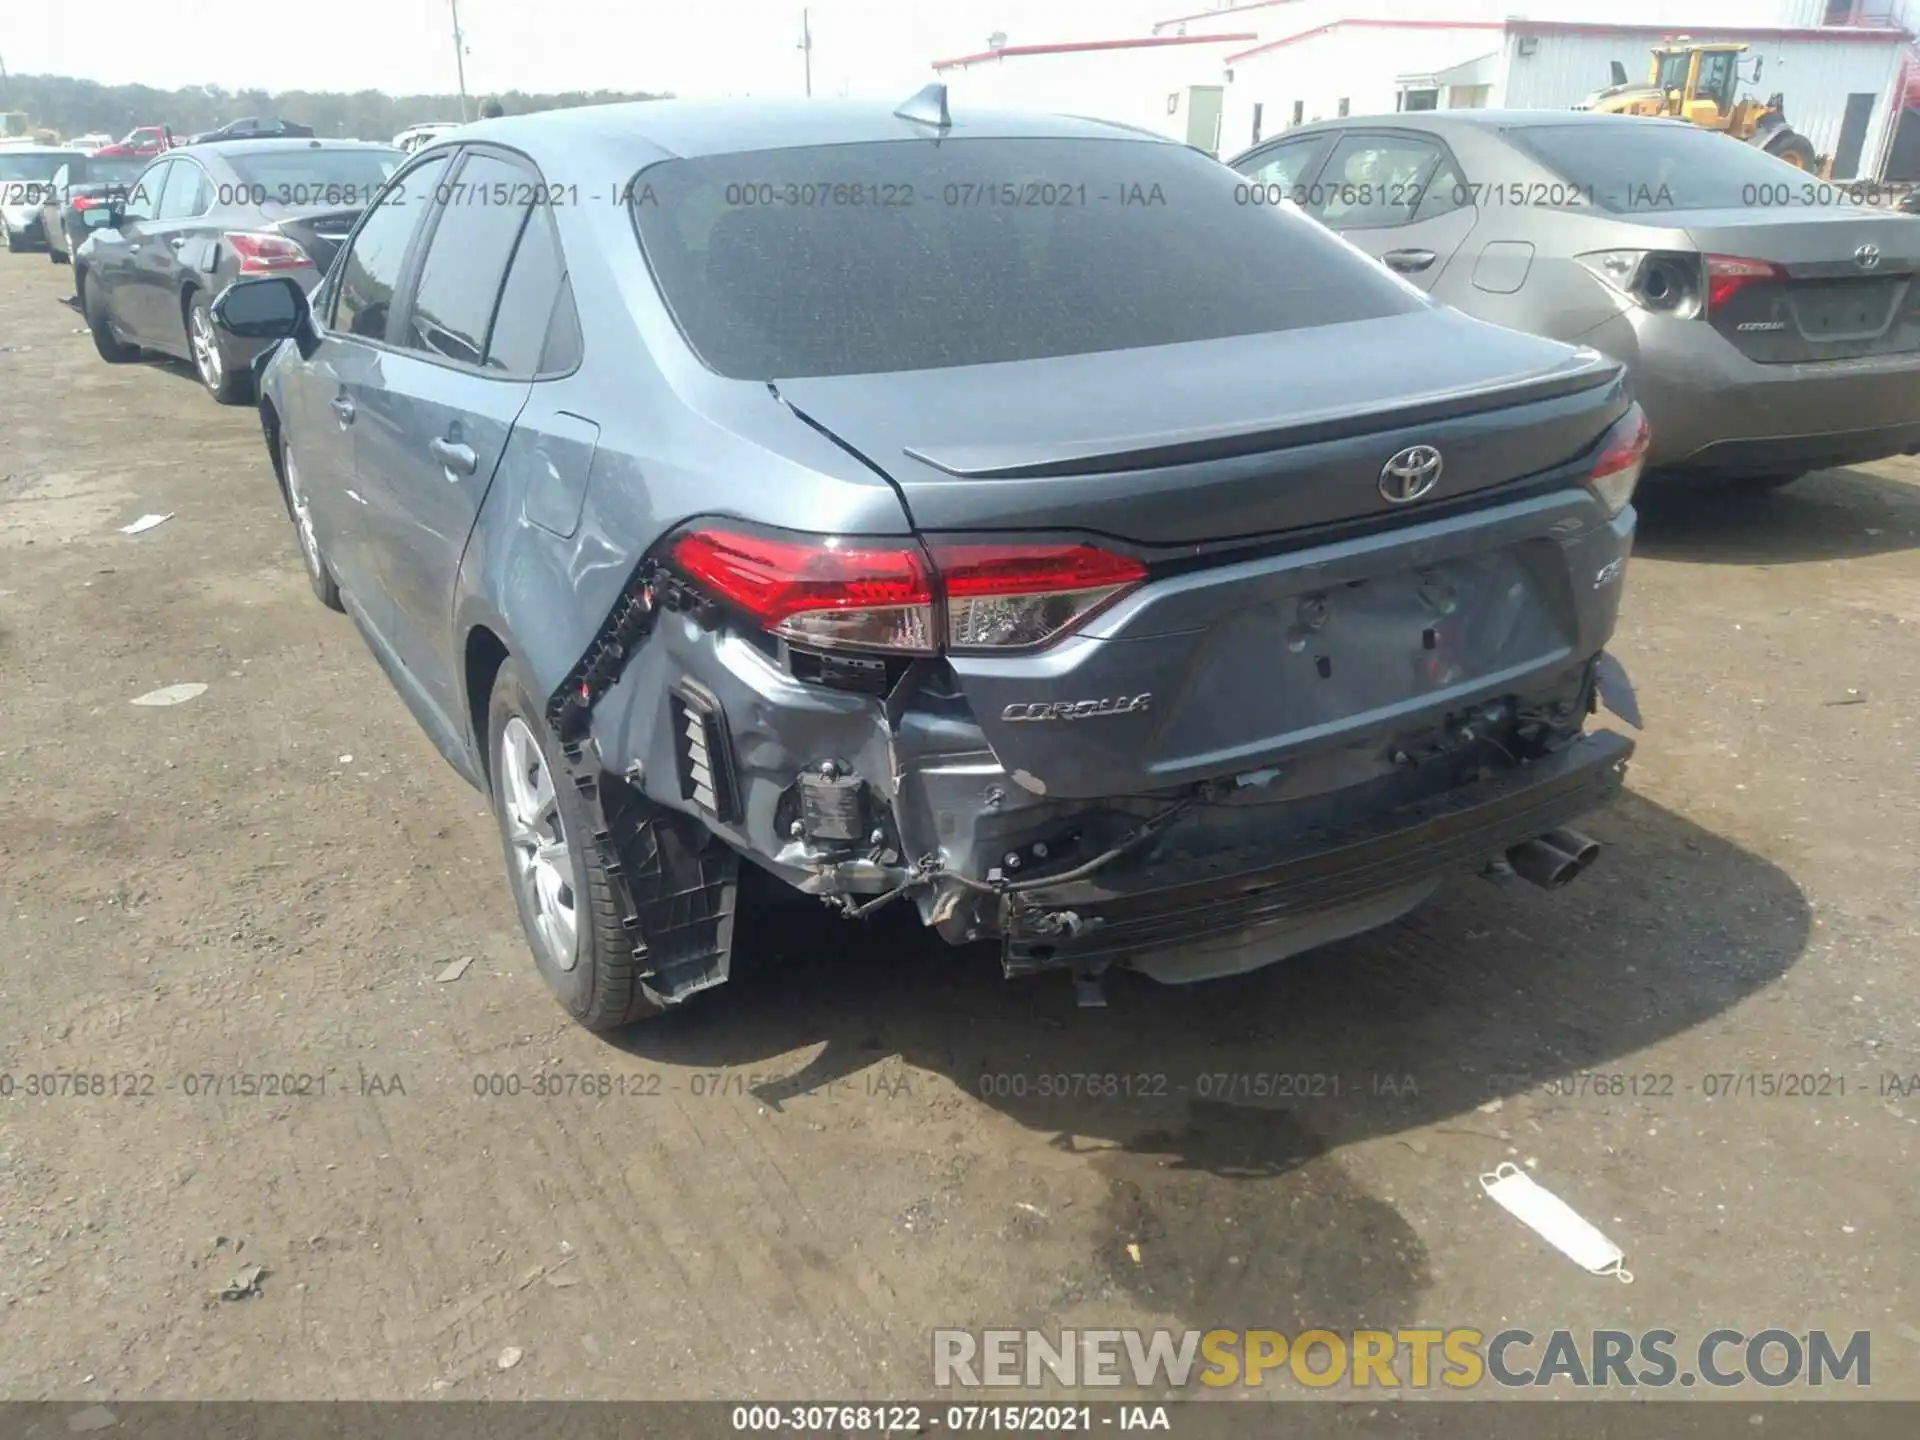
{"type": "Point", "coordinates": [1770, 324]}
{"type": "Point", "coordinates": [982, 513]}
{"type": "Point", "coordinates": [196, 220]}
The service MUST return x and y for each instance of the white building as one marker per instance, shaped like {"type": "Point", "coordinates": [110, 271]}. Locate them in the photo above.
{"type": "Point", "coordinates": [1841, 66]}
{"type": "Point", "coordinates": [1172, 84]}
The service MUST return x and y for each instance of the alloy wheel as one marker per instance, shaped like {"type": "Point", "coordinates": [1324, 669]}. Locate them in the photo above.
{"type": "Point", "coordinates": [540, 859]}
{"type": "Point", "coordinates": [206, 349]}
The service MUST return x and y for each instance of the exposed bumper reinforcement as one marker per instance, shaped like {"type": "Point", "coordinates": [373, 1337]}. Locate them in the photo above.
{"type": "Point", "coordinates": [1183, 901]}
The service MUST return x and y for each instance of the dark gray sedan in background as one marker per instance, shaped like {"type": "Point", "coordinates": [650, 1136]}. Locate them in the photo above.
{"type": "Point", "coordinates": [195, 220]}
{"type": "Point", "coordinates": [987, 514]}
{"type": "Point", "coordinates": [83, 183]}
{"type": "Point", "coordinates": [1770, 323]}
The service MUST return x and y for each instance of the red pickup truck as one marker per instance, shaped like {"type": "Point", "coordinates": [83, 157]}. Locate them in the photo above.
{"type": "Point", "coordinates": [144, 140]}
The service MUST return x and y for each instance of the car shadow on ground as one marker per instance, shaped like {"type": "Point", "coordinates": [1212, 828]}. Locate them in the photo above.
{"type": "Point", "coordinates": [1212, 1111]}
{"type": "Point", "coordinates": [1830, 515]}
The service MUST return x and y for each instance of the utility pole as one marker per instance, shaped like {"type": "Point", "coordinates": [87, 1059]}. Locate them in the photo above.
{"type": "Point", "coordinates": [460, 58]}
{"type": "Point", "coordinates": [806, 49]}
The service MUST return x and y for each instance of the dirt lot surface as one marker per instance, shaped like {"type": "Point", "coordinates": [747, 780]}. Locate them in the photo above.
{"type": "Point", "coordinates": [853, 1144]}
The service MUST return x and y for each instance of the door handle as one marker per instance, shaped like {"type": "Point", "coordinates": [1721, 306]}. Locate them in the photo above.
{"type": "Point", "coordinates": [1409, 262]}
{"type": "Point", "coordinates": [454, 457]}
{"type": "Point", "coordinates": [343, 407]}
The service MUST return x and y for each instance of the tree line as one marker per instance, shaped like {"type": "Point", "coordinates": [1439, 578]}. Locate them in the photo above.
{"type": "Point", "coordinates": [82, 107]}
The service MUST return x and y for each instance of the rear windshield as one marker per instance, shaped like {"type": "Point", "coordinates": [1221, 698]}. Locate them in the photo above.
{"type": "Point", "coordinates": [110, 169]}
{"type": "Point", "coordinates": [1630, 167]}
{"type": "Point", "coordinates": [306, 176]}
{"type": "Point", "coordinates": [917, 255]}
{"type": "Point", "coordinates": [31, 165]}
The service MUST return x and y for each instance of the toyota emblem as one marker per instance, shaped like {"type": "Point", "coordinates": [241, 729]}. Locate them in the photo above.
{"type": "Point", "coordinates": [1410, 475]}
{"type": "Point", "coordinates": [1867, 256]}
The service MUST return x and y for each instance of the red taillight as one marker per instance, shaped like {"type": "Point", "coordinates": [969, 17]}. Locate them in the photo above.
{"type": "Point", "coordinates": [88, 202]}
{"type": "Point", "coordinates": [1623, 456]}
{"type": "Point", "coordinates": [885, 596]}
{"type": "Point", "coordinates": [826, 592]}
{"type": "Point", "coordinates": [1728, 275]}
{"type": "Point", "coordinates": [265, 254]}
{"type": "Point", "coordinates": [1015, 595]}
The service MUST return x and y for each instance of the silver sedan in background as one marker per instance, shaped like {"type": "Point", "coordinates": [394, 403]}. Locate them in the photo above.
{"type": "Point", "coordinates": [1770, 321]}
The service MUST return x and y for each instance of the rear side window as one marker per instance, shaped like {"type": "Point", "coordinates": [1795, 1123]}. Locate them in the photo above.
{"type": "Point", "coordinates": [187, 192]}
{"type": "Point", "coordinates": [915, 255]}
{"type": "Point", "coordinates": [526, 303]}
{"type": "Point", "coordinates": [371, 270]}
{"type": "Point", "coordinates": [1633, 166]}
{"type": "Point", "coordinates": [1375, 181]}
{"type": "Point", "coordinates": [466, 262]}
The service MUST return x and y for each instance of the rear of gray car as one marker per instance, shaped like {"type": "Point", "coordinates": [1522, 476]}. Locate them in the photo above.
{"type": "Point", "coordinates": [999, 520]}
{"type": "Point", "coordinates": [1770, 323]}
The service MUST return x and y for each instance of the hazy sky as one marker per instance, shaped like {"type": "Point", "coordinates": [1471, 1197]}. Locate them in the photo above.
{"type": "Point", "coordinates": [692, 47]}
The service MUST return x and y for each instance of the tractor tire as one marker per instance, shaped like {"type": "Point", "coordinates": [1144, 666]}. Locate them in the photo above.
{"type": "Point", "coordinates": [1792, 147]}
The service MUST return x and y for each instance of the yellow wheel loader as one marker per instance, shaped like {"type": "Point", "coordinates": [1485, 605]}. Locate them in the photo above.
{"type": "Point", "coordinates": [1696, 83]}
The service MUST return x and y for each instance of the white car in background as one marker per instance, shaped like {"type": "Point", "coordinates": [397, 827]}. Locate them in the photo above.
{"type": "Point", "coordinates": [415, 136]}
{"type": "Point", "coordinates": [89, 142]}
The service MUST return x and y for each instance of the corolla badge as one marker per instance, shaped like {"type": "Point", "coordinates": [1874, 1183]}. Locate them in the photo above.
{"type": "Point", "coordinates": [1410, 475]}
{"type": "Point", "coordinates": [1076, 709]}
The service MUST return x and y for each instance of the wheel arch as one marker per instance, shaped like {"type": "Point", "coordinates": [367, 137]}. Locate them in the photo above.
{"type": "Point", "coordinates": [483, 654]}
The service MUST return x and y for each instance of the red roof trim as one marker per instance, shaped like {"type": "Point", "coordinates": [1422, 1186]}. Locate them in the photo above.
{"type": "Point", "coordinates": [1873, 34]}
{"type": "Point", "coordinates": [1709, 33]}
{"type": "Point", "coordinates": [1144, 42]}
{"type": "Point", "coordinates": [1368, 25]}
{"type": "Point", "coordinates": [1158, 25]}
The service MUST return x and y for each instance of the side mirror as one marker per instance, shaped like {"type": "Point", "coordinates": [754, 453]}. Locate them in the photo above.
{"type": "Point", "coordinates": [271, 308]}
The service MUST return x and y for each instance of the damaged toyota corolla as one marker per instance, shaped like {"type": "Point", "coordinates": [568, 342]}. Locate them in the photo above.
{"type": "Point", "coordinates": [979, 513]}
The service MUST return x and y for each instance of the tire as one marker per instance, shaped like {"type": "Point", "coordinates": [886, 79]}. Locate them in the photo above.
{"type": "Point", "coordinates": [16, 244]}
{"type": "Point", "coordinates": [1792, 147]}
{"type": "Point", "coordinates": [227, 385]}
{"type": "Point", "coordinates": [58, 257]}
{"type": "Point", "coordinates": [111, 350]}
{"type": "Point", "coordinates": [568, 906]}
{"type": "Point", "coordinates": [318, 574]}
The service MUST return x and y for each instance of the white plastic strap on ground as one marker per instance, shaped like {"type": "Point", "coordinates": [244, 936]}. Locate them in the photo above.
{"type": "Point", "coordinates": [1555, 1222]}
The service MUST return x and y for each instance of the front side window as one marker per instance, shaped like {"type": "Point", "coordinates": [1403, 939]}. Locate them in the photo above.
{"type": "Point", "coordinates": [1288, 165]}
{"type": "Point", "coordinates": [370, 272]}
{"type": "Point", "coordinates": [906, 255]}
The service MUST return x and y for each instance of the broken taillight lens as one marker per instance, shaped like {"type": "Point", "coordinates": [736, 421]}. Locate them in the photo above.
{"type": "Point", "coordinates": [838, 593]}
{"type": "Point", "coordinates": [1623, 456]}
{"type": "Point", "coordinates": [865, 595]}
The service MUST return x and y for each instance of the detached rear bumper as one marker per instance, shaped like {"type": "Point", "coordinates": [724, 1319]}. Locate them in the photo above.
{"type": "Point", "coordinates": [1256, 905]}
